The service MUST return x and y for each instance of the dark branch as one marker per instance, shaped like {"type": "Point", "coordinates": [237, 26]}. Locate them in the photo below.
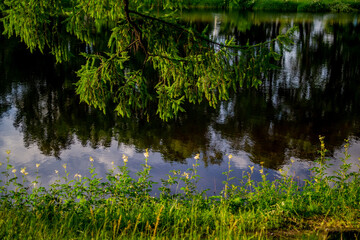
{"type": "Point", "coordinates": [179, 27]}
{"type": "Point", "coordinates": [138, 32]}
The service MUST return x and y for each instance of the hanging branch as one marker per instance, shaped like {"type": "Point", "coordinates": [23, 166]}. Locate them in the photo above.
{"type": "Point", "coordinates": [138, 32]}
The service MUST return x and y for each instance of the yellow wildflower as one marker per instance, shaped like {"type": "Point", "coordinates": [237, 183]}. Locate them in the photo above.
{"type": "Point", "coordinates": [8, 152]}
{"type": "Point", "coordinates": [251, 168]}
{"type": "Point", "coordinates": [112, 163]}
{"type": "Point", "coordinates": [230, 156]}
{"type": "Point", "coordinates": [77, 175]}
{"type": "Point", "coordinates": [292, 160]}
{"type": "Point", "coordinates": [125, 158]}
{"type": "Point", "coordinates": [261, 163]}
{"type": "Point", "coordinates": [146, 154]}
{"type": "Point", "coordinates": [56, 171]}
{"type": "Point", "coordinates": [197, 156]}
{"type": "Point", "coordinates": [23, 171]}
{"type": "Point", "coordinates": [91, 159]}
{"type": "Point", "coordinates": [280, 170]}
{"type": "Point", "coordinates": [1, 164]}
{"type": "Point", "coordinates": [64, 166]}
{"type": "Point", "coordinates": [185, 174]}
{"type": "Point", "coordinates": [37, 165]}
{"type": "Point", "coordinates": [14, 170]}
{"type": "Point", "coordinates": [261, 171]}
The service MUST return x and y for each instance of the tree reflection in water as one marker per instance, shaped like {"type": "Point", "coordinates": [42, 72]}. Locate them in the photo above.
{"type": "Point", "coordinates": [315, 92]}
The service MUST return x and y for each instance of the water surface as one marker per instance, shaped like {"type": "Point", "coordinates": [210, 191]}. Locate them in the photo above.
{"type": "Point", "coordinates": [314, 92]}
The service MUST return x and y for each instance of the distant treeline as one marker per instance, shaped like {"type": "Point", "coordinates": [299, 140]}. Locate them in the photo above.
{"type": "Point", "coordinates": [267, 5]}
{"type": "Point", "coordinates": [279, 5]}
{"type": "Point", "coordinates": [272, 5]}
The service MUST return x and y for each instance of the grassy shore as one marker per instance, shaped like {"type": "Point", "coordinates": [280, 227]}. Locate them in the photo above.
{"type": "Point", "coordinates": [280, 5]}
{"type": "Point", "coordinates": [121, 207]}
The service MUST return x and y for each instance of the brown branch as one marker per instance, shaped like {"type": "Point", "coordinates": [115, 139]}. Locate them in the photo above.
{"type": "Point", "coordinates": [138, 32]}
{"type": "Point", "coordinates": [169, 58]}
{"type": "Point", "coordinates": [179, 27]}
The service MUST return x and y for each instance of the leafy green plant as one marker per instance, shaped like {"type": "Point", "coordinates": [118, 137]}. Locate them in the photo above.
{"type": "Point", "coordinates": [122, 207]}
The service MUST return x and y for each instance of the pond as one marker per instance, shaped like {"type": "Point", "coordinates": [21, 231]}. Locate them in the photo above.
{"type": "Point", "coordinates": [315, 91]}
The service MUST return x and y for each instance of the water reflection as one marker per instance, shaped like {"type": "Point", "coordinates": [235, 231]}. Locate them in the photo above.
{"type": "Point", "coordinates": [315, 92]}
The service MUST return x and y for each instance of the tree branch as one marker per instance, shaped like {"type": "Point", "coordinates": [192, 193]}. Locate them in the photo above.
{"type": "Point", "coordinates": [138, 32]}
{"type": "Point", "coordinates": [179, 27]}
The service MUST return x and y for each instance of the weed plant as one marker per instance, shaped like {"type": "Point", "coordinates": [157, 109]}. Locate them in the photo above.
{"type": "Point", "coordinates": [121, 207]}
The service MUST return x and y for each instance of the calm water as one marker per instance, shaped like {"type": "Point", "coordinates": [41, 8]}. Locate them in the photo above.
{"type": "Point", "coordinates": [315, 92]}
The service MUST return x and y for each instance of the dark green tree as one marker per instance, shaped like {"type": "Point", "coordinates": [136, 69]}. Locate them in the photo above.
{"type": "Point", "coordinates": [151, 59]}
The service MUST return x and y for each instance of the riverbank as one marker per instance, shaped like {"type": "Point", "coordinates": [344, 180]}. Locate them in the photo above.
{"type": "Point", "coordinates": [280, 5]}
{"type": "Point", "coordinates": [121, 207]}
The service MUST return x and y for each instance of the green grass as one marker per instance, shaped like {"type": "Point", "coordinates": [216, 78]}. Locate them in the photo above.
{"type": "Point", "coordinates": [121, 207]}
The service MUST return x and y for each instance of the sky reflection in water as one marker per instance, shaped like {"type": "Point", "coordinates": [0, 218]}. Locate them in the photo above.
{"type": "Point", "coordinates": [315, 93]}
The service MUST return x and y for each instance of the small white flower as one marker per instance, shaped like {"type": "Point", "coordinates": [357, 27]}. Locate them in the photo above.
{"type": "Point", "coordinates": [77, 175]}
{"type": "Point", "coordinates": [125, 158]}
{"type": "Point", "coordinates": [185, 174]}
{"type": "Point", "coordinates": [23, 171]}
{"type": "Point", "coordinates": [146, 154]}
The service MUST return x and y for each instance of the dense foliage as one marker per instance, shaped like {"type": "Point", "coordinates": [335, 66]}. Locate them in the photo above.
{"type": "Point", "coordinates": [151, 59]}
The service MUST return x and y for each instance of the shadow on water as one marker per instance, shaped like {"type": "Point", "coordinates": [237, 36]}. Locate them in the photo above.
{"type": "Point", "coordinates": [315, 92]}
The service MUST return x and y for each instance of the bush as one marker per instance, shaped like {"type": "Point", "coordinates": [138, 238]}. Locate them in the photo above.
{"type": "Point", "coordinates": [242, 4]}
{"type": "Point", "coordinates": [284, 6]}
{"type": "Point", "coordinates": [314, 6]}
{"type": "Point", "coordinates": [339, 6]}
